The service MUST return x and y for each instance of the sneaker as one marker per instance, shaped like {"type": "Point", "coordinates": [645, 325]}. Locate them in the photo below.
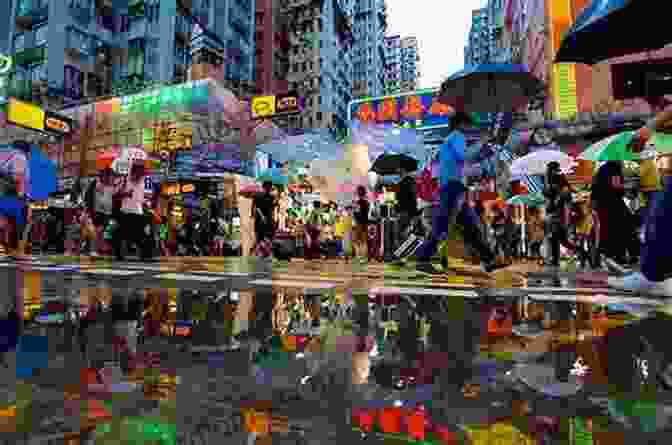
{"type": "Point", "coordinates": [426, 267]}
{"type": "Point", "coordinates": [491, 266]}
{"type": "Point", "coordinates": [93, 254]}
{"type": "Point", "coordinates": [638, 283]}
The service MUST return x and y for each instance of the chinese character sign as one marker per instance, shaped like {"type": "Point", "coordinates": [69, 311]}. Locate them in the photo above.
{"type": "Point", "coordinates": [419, 110]}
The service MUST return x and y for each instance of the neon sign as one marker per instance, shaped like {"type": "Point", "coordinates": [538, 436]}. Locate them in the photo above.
{"type": "Point", "coordinates": [6, 64]}
{"type": "Point", "coordinates": [420, 110]}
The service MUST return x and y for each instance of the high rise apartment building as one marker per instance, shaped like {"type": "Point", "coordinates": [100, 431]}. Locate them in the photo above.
{"type": "Point", "coordinates": [410, 64]}
{"type": "Point", "coordinates": [478, 47]}
{"type": "Point", "coordinates": [320, 68]}
{"type": "Point", "coordinates": [392, 64]}
{"type": "Point", "coordinates": [368, 54]}
{"type": "Point", "coordinates": [71, 50]}
{"type": "Point", "coordinates": [272, 48]}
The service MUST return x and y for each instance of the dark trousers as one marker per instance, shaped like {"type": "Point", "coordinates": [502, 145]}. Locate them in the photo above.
{"type": "Point", "coordinates": [556, 235]}
{"type": "Point", "coordinates": [453, 208]}
{"type": "Point", "coordinates": [656, 256]}
{"type": "Point", "coordinates": [131, 230]}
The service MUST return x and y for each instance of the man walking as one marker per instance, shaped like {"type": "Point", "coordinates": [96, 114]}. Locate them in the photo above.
{"type": "Point", "coordinates": [452, 204]}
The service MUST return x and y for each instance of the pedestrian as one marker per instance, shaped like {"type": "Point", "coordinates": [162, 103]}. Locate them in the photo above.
{"type": "Point", "coordinates": [618, 240]}
{"type": "Point", "coordinates": [558, 200]}
{"type": "Point", "coordinates": [131, 221]}
{"type": "Point", "coordinates": [312, 232]}
{"type": "Point", "coordinates": [452, 205]}
{"type": "Point", "coordinates": [535, 231]}
{"type": "Point", "coordinates": [656, 261]}
{"type": "Point", "coordinates": [360, 228]}
{"type": "Point", "coordinates": [263, 207]}
{"type": "Point", "coordinates": [99, 205]}
{"type": "Point", "coordinates": [10, 326]}
{"type": "Point", "coordinates": [407, 203]}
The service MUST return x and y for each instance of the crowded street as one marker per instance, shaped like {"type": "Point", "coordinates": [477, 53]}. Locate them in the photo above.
{"type": "Point", "coordinates": [345, 222]}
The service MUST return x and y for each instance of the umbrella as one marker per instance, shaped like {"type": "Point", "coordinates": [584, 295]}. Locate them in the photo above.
{"type": "Point", "coordinates": [603, 30]}
{"type": "Point", "coordinates": [535, 163]}
{"type": "Point", "coordinates": [530, 200]}
{"type": "Point", "coordinates": [392, 163]}
{"type": "Point", "coordinates": [612, 148]}
{"type": "Point", "coordinates": [273, 175]}
{"type": "Point", "coordinates": [662, 142]}
{"type": "Point", "coordinates": [489, 88]}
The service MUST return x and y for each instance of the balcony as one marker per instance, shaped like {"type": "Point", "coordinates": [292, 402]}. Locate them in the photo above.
{"type": "Point", "coordinates": [183, 29]}
{"type": "Point", "coordinates": [30, 56]}
{"type": "Point", "coordinates": [30, 12]}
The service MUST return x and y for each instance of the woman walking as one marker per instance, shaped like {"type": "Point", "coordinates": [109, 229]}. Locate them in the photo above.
{"type": "Point", "coordinates": [558, 199]}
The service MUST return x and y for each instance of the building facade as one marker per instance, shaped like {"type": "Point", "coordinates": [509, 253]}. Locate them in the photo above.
{"type": "Point", "coordinates": [272, 48]}
{"type": "Point", "coordinates": [410, 64]}
{"type": "Point", "coordinates": [320, 67]}
{"type": "Point", "coordinates": [478, 45]}
{"type": "Point", "coordinates": [392, 64]}
{"type": "Point", "coordinates": [369, 26]}
{"type": "Point", "coordinates": [68, 51]}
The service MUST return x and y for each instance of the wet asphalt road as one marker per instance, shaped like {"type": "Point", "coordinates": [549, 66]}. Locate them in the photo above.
{"type": "Point", "coordinates": [226, 386]}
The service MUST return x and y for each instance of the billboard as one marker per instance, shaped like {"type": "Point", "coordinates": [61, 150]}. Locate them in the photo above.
{"type": "Point", "coordinates": [420, 110]}
{"type": "Point", "coordinates": [264, 107]}
{"type": "Point", "coordinates": [27, 115]}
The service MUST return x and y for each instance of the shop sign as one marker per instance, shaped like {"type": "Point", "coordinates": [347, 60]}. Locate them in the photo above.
{"type": "Point", "coordinates": [420, 110]}
{"type": "Point", "coordinates": [176, 189]}
{"type": "Point", "coordinates": [263, 106]}
{"type": "Point", "coordinates": [57, 124]}
{"type": "Point", "coordinates": [287, 104]}
{"type": "Point", "coordinates": [25, 115]}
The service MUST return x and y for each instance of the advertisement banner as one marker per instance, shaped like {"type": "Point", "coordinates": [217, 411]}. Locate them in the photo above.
{"type": "Point", "coordinates": [205, 161]}
{"type": "Point", "coordinates": [25, 115]}
{"type": "Point", "coordinates": [420, 110]}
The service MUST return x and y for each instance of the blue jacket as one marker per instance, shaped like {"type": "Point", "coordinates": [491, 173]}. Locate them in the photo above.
{"type": "Point", "coordinates": [453, 155]}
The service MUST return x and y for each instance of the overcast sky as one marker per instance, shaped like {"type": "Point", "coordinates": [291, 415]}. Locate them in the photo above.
{"type": "Point", "coordinates": [441, 27]}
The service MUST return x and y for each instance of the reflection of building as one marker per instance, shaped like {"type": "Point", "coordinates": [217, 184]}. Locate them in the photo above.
{"type": "Point", "coordinates": [320, 70]}
{"type": "Point", "coordinates": [410, 60]}
{"type": "Point", "coordinates": [370, 23]}
{"type": "Point", "coordinates": [392, 64]}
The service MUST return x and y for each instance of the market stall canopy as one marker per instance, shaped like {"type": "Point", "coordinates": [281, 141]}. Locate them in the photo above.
{"type": "Point", "coordinates": [305, 147]}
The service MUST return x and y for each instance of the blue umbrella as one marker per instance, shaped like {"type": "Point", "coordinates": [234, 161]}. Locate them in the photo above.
{"type": "Point", "coordinates": [614, 28]}
{"type": "Point", "coordinates": [490, 88]}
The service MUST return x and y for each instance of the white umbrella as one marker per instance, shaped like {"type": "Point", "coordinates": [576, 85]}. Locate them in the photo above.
{"type": "Point", "coordinates": [536, 163]}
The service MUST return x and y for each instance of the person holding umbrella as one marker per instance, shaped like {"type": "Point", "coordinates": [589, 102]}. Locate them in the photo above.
{"type": "Point", "coordinates": [452, 158]}
{"type": "Point", "coordinates": [654, 278]}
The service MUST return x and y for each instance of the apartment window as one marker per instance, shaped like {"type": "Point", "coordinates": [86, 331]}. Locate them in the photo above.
{"type": "Point", "coordinates": [41, 35]}
{"type": "Point", "coordinates": [259, 18]}
{"type": "Point", "coordinates": [39, 72]}
{"type": "Point", "coordinates": [305, 66]}
{"type": "Point", "coordinates": [319, 117]}
{"type": "Point", "coordinates": [19, 42]}
{"type": "Point", "coordinates": [295, 67]}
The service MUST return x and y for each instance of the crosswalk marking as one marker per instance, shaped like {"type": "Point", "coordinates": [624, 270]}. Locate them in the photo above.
{"type": "Point", "coordinates": [284, 283]}
{"type": "Point", "coordinates": [599, 299]}
{"type": "Point", "coordinates": [120, 273]}
{"type": "Point", "coordinates": [423, 291]}
{"type": "Point", "coordinates": [187, 277]}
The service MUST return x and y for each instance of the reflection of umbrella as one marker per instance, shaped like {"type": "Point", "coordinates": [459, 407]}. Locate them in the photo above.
{"type": "Point", "coordinates": [535, 163]}
{"type": "Point", "coordinates": [392, 163]}
{"type": "Point", "coordinates": [612, 148]}
{"type": "Point", "coordinates": [530, 200]}
{"type": "Point", "coordinates": [489, 88]}
{"type": "Point", "coordinates": [602, 31]}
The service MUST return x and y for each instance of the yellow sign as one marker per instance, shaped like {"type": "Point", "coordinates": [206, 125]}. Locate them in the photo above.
{"type": "Point", "coordinates": [25, 114]}
{"type": "Point", "coordinates": [263, 106]}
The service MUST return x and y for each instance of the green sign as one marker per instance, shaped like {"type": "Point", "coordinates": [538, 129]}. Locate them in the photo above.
{"type": "Point", "coordinates": [156, 99]}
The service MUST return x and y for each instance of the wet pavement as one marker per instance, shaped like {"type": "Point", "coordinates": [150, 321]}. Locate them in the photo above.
{"type": "Point", "coordinates": [540, 340]}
